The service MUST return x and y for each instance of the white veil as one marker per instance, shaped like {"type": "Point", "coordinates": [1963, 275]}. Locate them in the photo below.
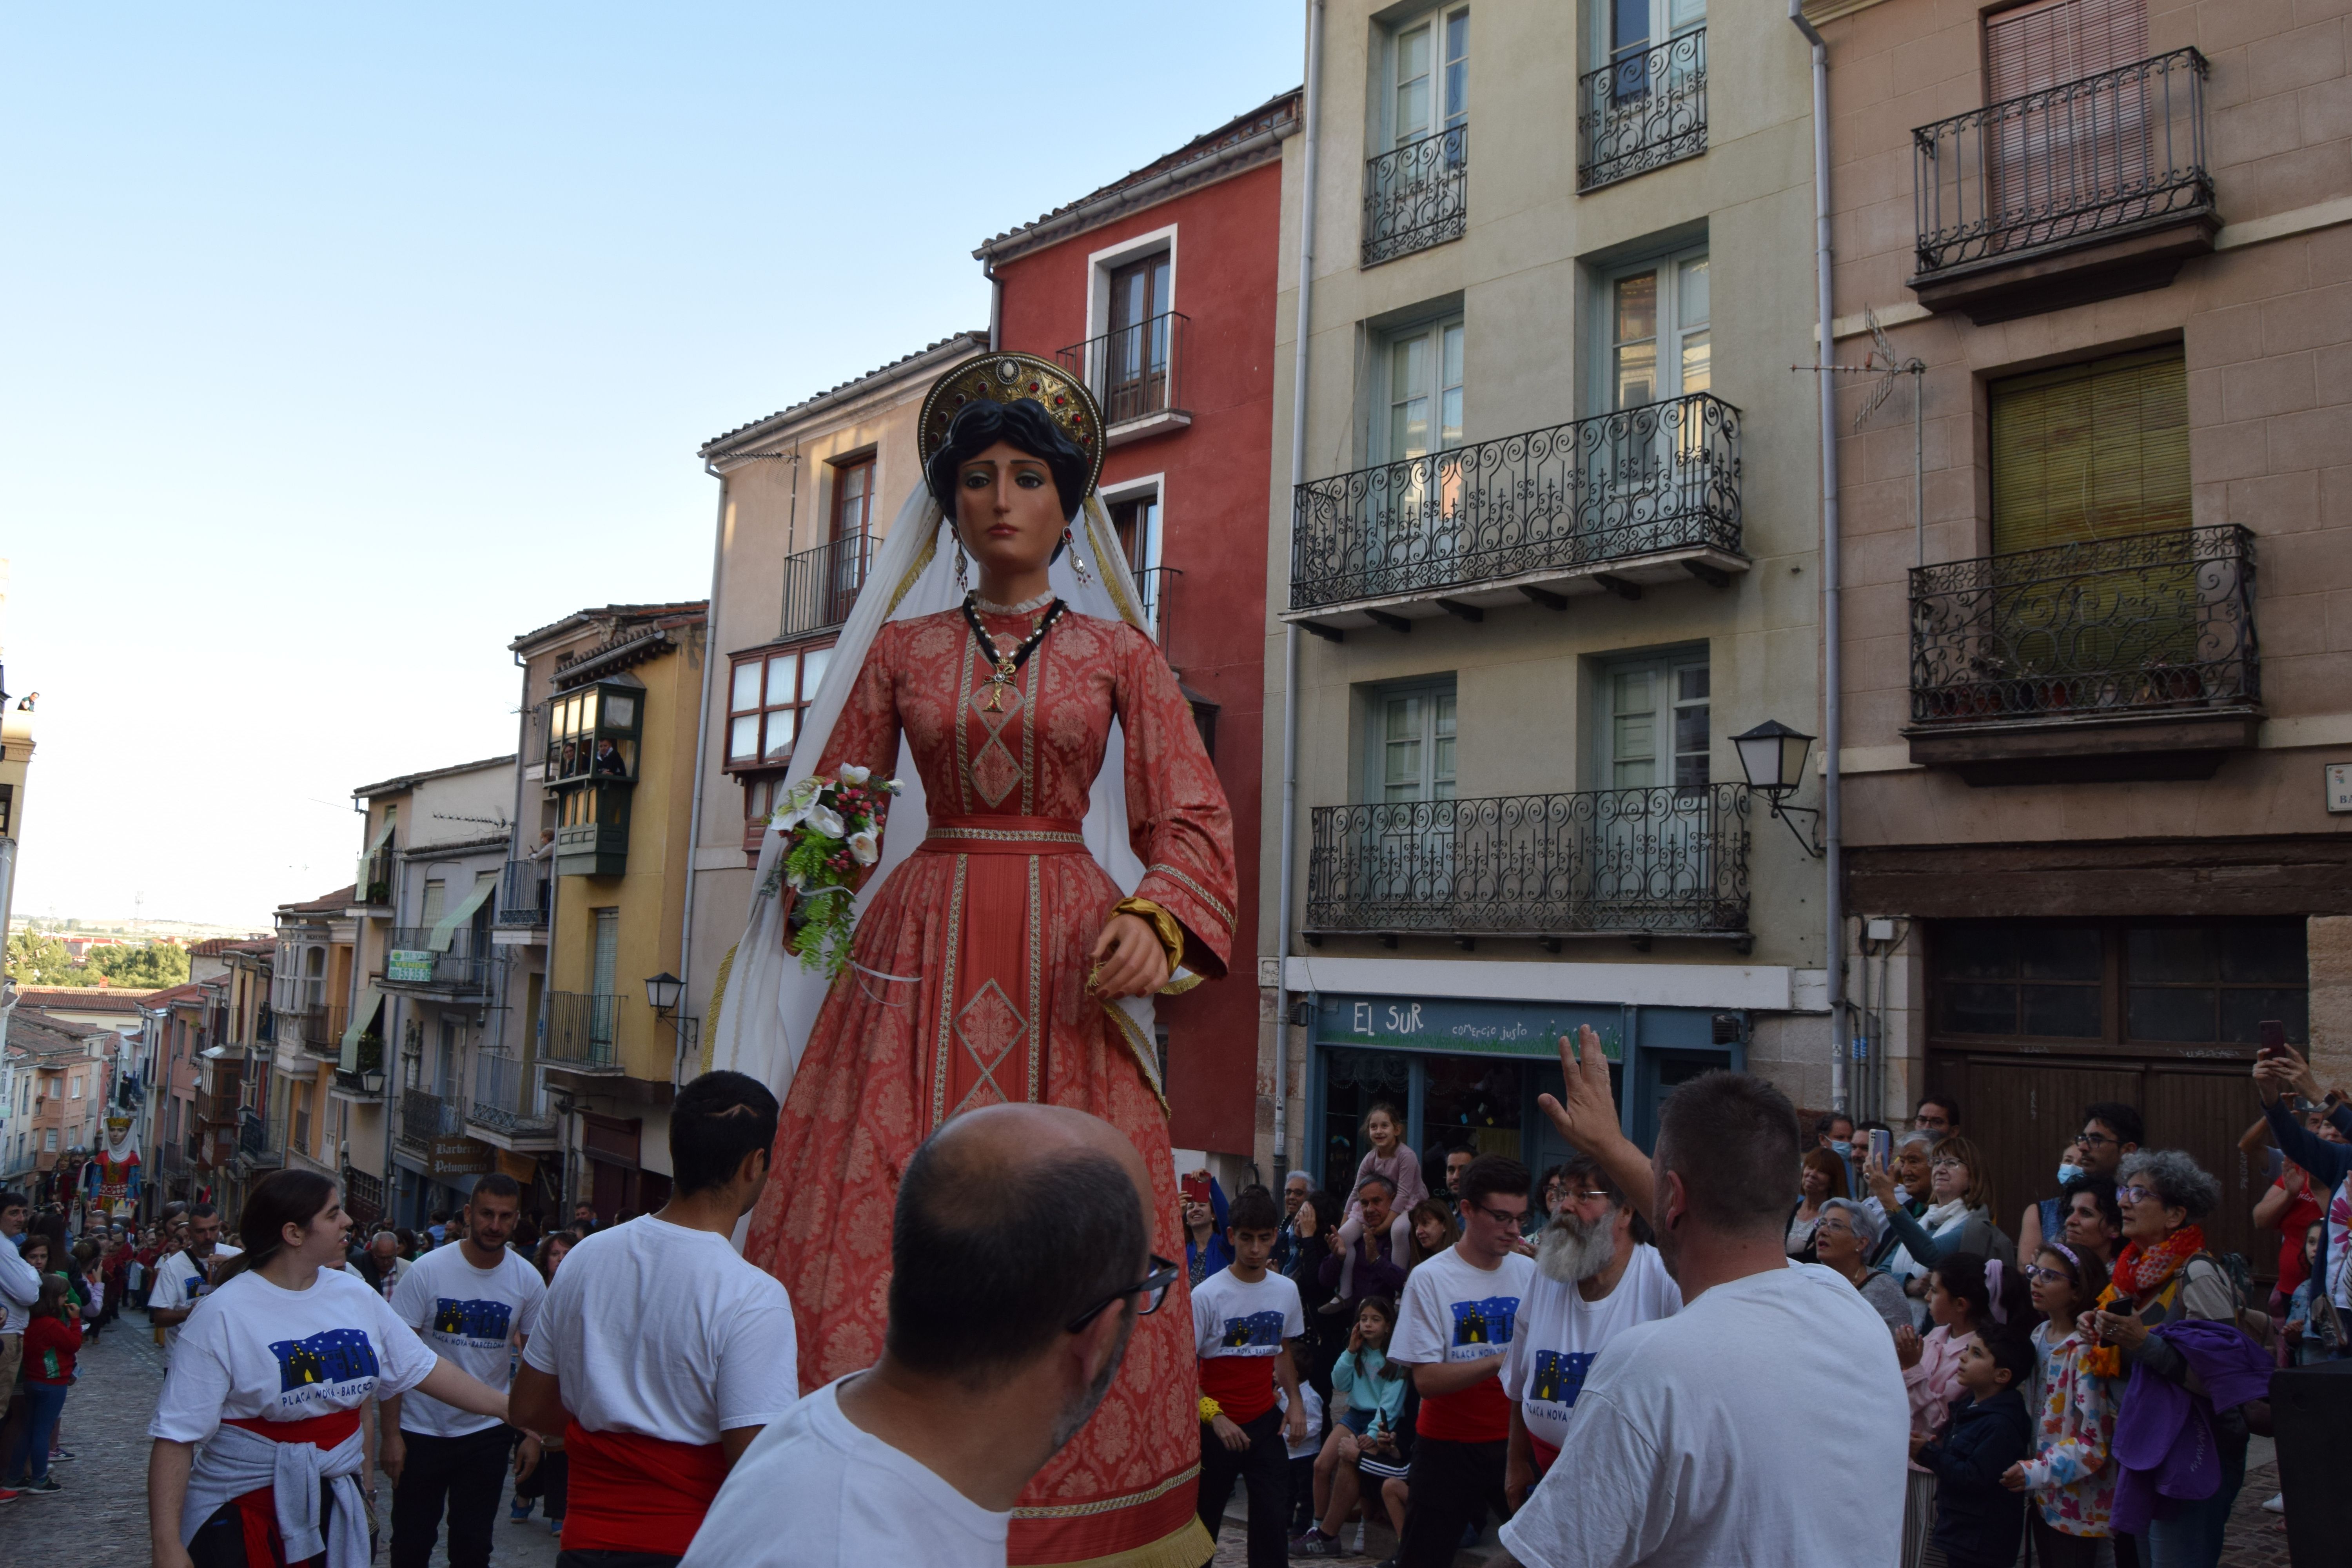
{"type": "Point", "coordinates": [763, 1003]}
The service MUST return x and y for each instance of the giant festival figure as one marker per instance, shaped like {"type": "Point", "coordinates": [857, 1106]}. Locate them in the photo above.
{"type": "Point", "coordinates": [1048, 760]}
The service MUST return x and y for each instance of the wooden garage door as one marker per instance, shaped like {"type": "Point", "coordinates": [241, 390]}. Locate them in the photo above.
{"type": "Point", "coordinates": [2021, 1110]}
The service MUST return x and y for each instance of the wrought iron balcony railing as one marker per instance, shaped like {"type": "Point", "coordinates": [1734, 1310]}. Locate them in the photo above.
{"type": "Point", "coordinates": [1641, 111]}
{"type": "Point", "coordinates": [2142, 623]}
{"type": "Point", "coordinates": [505, 1097]}
{"type": "Point", "coordinates": [262, 1141]}
{"type": "Point", "coordinates": [1153, 587]}
{"type": "Point", "coordinates": [1664, 861]}
{"type": "Point", "coordinates": [2069, 163]}
{"type": "Point", "coordinates": [410, 959]}
{"type": "Point", "coordinates": [424, 1115]}
{"type": "Point", "coordinates": [1417, 196]}
{"type": "Point", "coordinates": [1136, 372]}
{"type": "Point", "coordinates": [821, 584]}
{"type": "Point", "coordinates": [522, 894]}
{"type": "Point", "coordinates": [1665, 476]}
{"type": "Point", "coordinates": [218, 1108]}
{"type": "Point", "coordinates": [583, 1030]}
{"type": "Point", "coordinates": [353, 1084]}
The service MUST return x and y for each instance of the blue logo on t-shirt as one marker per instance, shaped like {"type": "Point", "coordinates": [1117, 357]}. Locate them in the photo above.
{"type": "Point", "coordinates": [1259, 1330]}
{"type": "Point", "coordinates": [472, 1320]}
{"type": "Point", "coordinates": [1485, 1322]}
{"type": "Point", "coordinates": [1559, 1378]}
{"type": "Point", "coordinates": [331, 1355]}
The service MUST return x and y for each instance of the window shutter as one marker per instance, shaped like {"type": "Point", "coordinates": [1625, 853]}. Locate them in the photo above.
{"type": "Point", "coordinates": [2052, 41]}
{"type": "Point", "coordinates": [2091, 451]}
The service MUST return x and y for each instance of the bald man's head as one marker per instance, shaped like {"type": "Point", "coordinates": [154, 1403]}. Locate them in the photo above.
{"type": "Point", "coordinates": [1012, 1221]}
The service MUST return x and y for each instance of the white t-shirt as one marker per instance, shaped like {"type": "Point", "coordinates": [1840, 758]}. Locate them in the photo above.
{"type": "Point", "coordinates": [1680, 1452]}
{"type": "Point", "coordinates": [252, 1349]}
{"type": "Point", "coordinates": [469, 1316]}
{"type": "Point", "coordinates": [1559, 1333]}
{"type": "Point", "coordinates": [20, 1287]}
{"type": "Point", "coordinates": [1453, 1310]}
{"type": "Point", "coordinates": [1307, 1448]}
{"type": "Point", "coordinates": [1237, 1330]}
{"type": "Point", "coordinates": [179, 1282]}
{"type": "Point", "coordinates": [815, 1491]}
{"type": "Point", "coordinates": [667, 1333]}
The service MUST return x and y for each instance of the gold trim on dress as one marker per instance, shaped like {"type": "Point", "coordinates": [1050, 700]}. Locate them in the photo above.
{"type": "Point", "coordinates": [1185, 1547]}
{"type": "Point", "coordinates": [1104, 1505]}
{"type": "Point", "coordinates": [1174, 874]}
{"type": "Point", "coordinates": [1005, 836]}
{"type": "Point", "coordinates": [718, 991]}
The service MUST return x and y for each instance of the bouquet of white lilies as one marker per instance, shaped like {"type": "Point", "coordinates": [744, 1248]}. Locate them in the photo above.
{"type": "Point", "coordinates": [833, 830]}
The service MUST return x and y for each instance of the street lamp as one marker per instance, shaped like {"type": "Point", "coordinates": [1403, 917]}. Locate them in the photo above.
{"type": "Point", "coordinates": [662, 993]}
{"type": "Point", "coordinates": [372, 1080]}
{"type": "Point", "coordinates": [1773, 755]}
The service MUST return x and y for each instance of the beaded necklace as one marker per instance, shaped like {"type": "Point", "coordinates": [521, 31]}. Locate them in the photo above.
{"type": "Point", "coordinates": [1008, 665]}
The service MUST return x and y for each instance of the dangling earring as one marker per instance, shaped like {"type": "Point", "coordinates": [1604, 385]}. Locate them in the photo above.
{"type": "Point", "coordinates": [964, 584]}
{"type": "Point", "coordinates": [1077, 562]}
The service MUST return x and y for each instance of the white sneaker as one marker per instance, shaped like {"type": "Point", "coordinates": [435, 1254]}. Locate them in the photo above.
{"type": "Point", "coordinates": [2277, 1503]}
{"type": "Point", "coordinates": [1356, 1539]}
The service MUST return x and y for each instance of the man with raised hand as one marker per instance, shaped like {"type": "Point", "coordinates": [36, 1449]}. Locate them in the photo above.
{"type": "Point", "coordinates": [471, 1303]}
{"type": "Point", "coordinates": [1677, 1451]}
{"type": "Point", "coordinates": [1020, 1254]}
{"type": "Point", "coordinates": [659, 1352]}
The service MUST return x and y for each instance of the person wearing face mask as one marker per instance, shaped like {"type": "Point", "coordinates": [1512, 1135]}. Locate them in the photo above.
{"type": "Point", "coordinates": [2111, 1130]}
{"type": "Point", "coordinates": [1835, 1132]}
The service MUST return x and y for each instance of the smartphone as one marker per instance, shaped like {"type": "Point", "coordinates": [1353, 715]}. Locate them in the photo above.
{"type": "Point", "coordinates": [2273, 1037]}
{"type": "Point", "coordinates": [1882, 1147]}
{"type": "Point", "coordinates": [1196, 1189]}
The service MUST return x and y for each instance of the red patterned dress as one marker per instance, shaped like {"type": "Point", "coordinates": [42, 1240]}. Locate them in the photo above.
{"type": "Point", "coordinates": [970, 989]}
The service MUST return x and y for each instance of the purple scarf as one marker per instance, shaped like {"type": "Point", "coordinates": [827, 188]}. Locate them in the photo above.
{"type": "Point", "coordinates": [2164, 1444]}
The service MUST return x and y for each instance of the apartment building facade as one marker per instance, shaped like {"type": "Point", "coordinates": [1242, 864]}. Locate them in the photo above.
{"type": "Point", "coordinates": [2098, 635]}
{"type": "Point", "coordinates": [1158, 288]}
{"type": "Point", "coordinates": [580, 1099]}
{"type": "Point", "coordinates": [1554, 545]}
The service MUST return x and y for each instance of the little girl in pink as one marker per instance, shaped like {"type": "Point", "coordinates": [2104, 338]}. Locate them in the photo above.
{"type": "Point", "coordinates": [1400, 1167]}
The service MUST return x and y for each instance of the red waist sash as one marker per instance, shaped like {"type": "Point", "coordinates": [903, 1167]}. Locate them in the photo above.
{"type": "Point", "coordinates": [1005, 836]}
{"type": "Point", "coordinates": [257, 1511]}
{"type": "Point", "coordinates": [634, 1493]}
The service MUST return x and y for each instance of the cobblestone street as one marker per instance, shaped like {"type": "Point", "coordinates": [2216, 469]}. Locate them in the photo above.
{"type": "Point", "coordinates": [99, 1520]}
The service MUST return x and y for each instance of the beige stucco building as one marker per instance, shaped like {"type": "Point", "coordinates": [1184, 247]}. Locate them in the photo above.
{"type": "Point", "coordinates": [2094, 689]}
{"type": "Point", "coordinates": [1557, 543]}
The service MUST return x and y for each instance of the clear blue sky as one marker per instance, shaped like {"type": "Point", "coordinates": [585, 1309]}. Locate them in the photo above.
{"type": "Point", "coordinates": [344, 343]}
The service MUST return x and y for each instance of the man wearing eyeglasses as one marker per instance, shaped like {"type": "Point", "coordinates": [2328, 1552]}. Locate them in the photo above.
{"type": "Point", "coordinates": [1020, 1257]}
{"type": "Point", "coordinates": [2110, 1131]}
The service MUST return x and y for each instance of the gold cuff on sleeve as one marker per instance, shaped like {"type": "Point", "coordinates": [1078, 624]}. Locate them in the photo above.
{"type": "Point", "coordinates": [1171, 933]}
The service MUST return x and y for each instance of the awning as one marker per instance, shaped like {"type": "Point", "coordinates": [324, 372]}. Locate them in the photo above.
{"type": "Point", "coordinates": [383, 837]}
{"type": "Point", "coordinates": [448, 929]}
{"type": "Point", "coordinates": [363, 1015]}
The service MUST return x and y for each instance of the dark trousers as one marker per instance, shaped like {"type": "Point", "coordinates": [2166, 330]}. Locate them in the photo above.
{"type": "Point", "coordinates": [550, 1479]}
{"type": "Point", "coordinates": [1265, 1468]}
{"type": "Point", "coordinates": [1302, 1494]}
{"type": "Point", "coordinates": [467, 1474]}
{"type": "Point", "coordinates": [1452, 1486]}
{"type": "Point", "coordinates": [2054, 1548]}
{"type": "Point", "coordinates": [613, 1560]}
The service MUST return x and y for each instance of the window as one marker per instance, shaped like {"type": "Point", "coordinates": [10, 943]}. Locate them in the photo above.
{"type": "Point", "coordinates": [1422, 392]}
{"type": "Point", "coordinates": [1430, 76]}
{"type": "Point", "coordinates": [49, 1141]}
{"type": "Point", "coordinates": [436, 901]}
{"type": "Point", "coordinates": [1412, 751]}
{"type": "Point", "coordinates": [74, 1088]}
{"type": "Point", "coordinates": [1633, 27]}
{"type": "Point", "coordinates": [766, 696]}
{"type": "Point", "coordinates": [2042, 45]}
{"type": "Point", "coordinates": [1135, 379]}
{"type": "Point", "coordinates": [7, 809]}
{"type": "Point", "coordinates": [1655, 727]}
{"type": "Point", "coordinates": [853, 498]}
{"type": "Point", "coordinates": [301, 1104]}
{"type": "Point", "coordinates": [2170, 982]}
{"type": "Point", "coordinates": [1657, 332]}
{"type": "Point", "coordinates": [1136, 520]}
{"type": "Point", "coordinates": [2090, 451]}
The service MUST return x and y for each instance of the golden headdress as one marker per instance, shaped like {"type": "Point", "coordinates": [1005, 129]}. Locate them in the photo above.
{"type": "Point", "coordinates": [1007, 378]}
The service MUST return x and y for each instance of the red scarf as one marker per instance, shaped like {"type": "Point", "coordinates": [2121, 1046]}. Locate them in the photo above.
{"type": "Point", "coordinates": [258, 1510]}
{"type": "Point", "coordinates": [2139, 1269]}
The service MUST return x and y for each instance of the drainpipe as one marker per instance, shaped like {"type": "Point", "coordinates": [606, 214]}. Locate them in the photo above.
{"type": "Point", "coordinates": [1832, 658]}
{"type": "Point", "coordinates": [1290, 628]}
{"type": "Point", "coordinates": [701, 759]}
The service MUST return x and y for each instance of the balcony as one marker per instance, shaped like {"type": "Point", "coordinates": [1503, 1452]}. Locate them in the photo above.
{"type": "Point", "coordinates": [582, 1032]}
{"type": "Point", "coordinates": [424, 1117]}
{"type": "Point", "coordinates": [352, 1086]}
{"type": "Point", "coordinates": [821, 584]}
{"type": "Point", "coordinates": [1645, 495]}
{"type": "Point", "coordinates": [363, 1196]}
{"type": "Point", "coordinates": [1642, 112]}
{"type": "Point", "coordinates": [522, 896]}
{"type": "Point", "coordinates": [505, 1108]}
{"type": "Point", "coordinates": [1417, 196]}
{"type": "Point", "coordinates": [2131, 658]}
{"type": "Point", "coordinates": [314, 1031]}
{"type": "Point", "coordinates": [460, 973]}
{"type": "Point", "coordinates": [373, 893]}
{"type": "Point", "coordinates": [261, 1143]}
{"type": "Point", "coordinates": [2079, 191]}
{"type": "Point", "coordinates": [219, 1109]}
{"type": "Point", "coordinates": [1632, 863]}
{"type": "Point", "coordinates": [1137, 374]}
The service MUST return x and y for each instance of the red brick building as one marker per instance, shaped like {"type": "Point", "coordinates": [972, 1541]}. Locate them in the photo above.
{"type": "Point", "coordinates": [1159, 288]}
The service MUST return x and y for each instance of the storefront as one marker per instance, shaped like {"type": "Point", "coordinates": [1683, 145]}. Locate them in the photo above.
{"type": "Point", "coordinates": [1466, 1072]}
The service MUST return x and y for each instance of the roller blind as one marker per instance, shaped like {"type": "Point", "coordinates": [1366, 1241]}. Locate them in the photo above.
{"type": "Point", "coordinates": [2090, 451]}
{"type": "Point", "coordinates": [2032, 46]}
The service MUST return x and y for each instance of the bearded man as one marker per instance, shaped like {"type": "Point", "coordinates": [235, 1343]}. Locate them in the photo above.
{"type": "Point", "coordinates": [1596, 1276]}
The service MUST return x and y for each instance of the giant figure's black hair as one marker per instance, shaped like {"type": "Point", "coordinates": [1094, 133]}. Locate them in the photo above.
{"type": "Point", "coordinates": [1022, 425]}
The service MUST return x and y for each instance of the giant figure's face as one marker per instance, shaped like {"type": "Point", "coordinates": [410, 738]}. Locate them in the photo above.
{"type": "Point", "coordinates": [1007, 510]}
